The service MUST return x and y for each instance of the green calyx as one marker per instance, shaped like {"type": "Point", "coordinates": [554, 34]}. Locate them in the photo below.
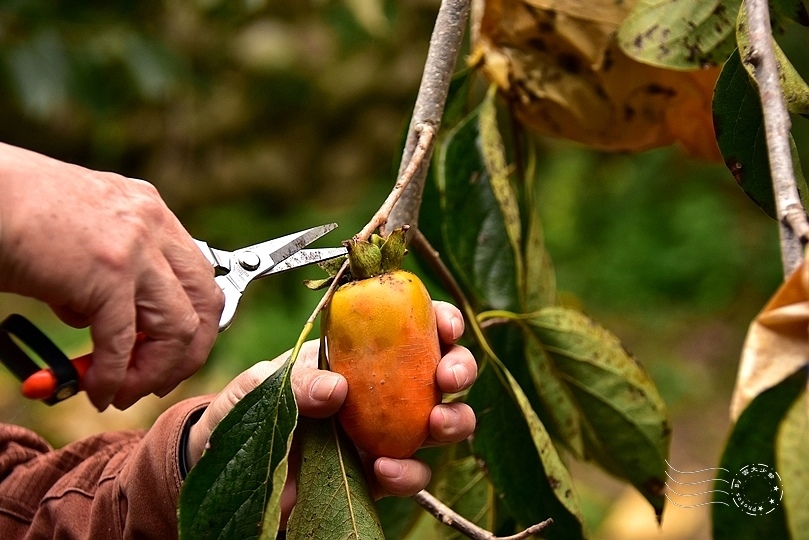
{"type": "Point", "coordinates": [366, 259]}
{"type": "Point", "coordinates": [380, 255]}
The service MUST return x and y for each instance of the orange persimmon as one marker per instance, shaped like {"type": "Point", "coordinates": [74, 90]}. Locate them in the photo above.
{"type": "Point", "coordinates": [381, 336]}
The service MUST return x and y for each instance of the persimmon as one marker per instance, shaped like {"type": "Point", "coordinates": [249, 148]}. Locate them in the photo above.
{"type": "Point", "coordinates": [381, 335]}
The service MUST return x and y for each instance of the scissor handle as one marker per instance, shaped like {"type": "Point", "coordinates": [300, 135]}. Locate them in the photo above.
{"type": "Point", "coordinates": [17, 360]}
{"type": "Point", "coordinates": [44, 385]}
{"type": "Point", "coordinates": [232, 297]}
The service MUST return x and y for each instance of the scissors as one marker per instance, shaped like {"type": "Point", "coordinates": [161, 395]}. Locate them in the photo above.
{"type": "Point", "coordinates": [235, 270]}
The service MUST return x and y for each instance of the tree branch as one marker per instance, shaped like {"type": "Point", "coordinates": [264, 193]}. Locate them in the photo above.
{"type": "Point", "coordinates": [449, 517]}
{"type": "Point", "coordinates": [403, 204]}
{"type": "Point", "coordinates": [438, 69]}
{"type": "Point", "coordinates": [794, 227]}
{"type": "Point", "coordinates": [425, 134]}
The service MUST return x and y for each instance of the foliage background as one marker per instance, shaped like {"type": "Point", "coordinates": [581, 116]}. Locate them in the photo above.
{"type": "Point", "coordinates": [255, 119]}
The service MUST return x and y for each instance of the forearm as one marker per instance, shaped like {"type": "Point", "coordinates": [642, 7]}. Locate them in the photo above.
{"type": "Point", "coordinates": [114, 485]}
{"type": "Point", "coordinates": [32, 210]}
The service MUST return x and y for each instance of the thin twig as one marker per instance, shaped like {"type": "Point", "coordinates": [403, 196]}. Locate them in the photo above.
{"type": "Point", "coordinates": [794, 228]}
{"type": "Point", "coordinates": [424, 145]}
{"type": "Point", "coordinates": [426, 135]}
{"type": "Point", "coordinates": [448, 517]}
{"type": "Point", "coordinates": [430, 255]}
{"type": "Point", "coordinates": [329, 293]}
{"type": "Point", "coordinates": [429, 108]}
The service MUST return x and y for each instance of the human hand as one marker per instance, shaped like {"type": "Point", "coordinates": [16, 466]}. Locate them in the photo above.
{"type": "Point", "coordinates": [105, 251]}
{"type": "Point", "coordinates": [321, 393]}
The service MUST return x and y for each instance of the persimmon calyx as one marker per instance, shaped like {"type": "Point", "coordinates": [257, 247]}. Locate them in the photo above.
{"type": "Point", "coordinates": [367, 259]}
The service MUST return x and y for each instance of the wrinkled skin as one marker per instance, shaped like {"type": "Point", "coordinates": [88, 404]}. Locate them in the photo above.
{"type": "Point", "coordinates": [106, 252]}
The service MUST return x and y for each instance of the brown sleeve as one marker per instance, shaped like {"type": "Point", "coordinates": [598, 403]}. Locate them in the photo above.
{"type": "Point", "coordinates": [117, 485]}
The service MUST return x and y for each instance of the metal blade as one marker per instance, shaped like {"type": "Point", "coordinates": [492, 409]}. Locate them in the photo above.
{"type": "Point", "coordinates": [281, 248]}
{"type": "Point", "coordinates": [305, 257]}
{"type": "Point", "coordinates": [255, 261]}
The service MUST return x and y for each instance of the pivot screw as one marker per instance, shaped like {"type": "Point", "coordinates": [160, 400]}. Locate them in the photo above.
{"type": "Point", "coordinates": [249, 260]}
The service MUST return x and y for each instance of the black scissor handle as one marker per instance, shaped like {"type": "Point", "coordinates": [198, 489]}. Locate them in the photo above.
{"type": "Point", "coordinates": [22, 366]}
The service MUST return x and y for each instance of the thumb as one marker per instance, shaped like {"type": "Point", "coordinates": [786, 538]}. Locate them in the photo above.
{"type": "Point", "coordinates": [224, 401]}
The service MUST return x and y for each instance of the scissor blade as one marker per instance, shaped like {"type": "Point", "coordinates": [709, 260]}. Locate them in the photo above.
{"type": "Point", "coordinates": [275, 251]}
{"type": "Point", "coordinates": [305, 257]}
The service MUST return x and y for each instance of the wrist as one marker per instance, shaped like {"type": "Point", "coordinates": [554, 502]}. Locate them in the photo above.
{"type": "Point", "coordinates": [187, 458]}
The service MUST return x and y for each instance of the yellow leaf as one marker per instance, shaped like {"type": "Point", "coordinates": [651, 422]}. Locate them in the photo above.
{"type": "Point", "coordinates": [777, 343]}
{"type": "Point", "coordinates": [559, 65]}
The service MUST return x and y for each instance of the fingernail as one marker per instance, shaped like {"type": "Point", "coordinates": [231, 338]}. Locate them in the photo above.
{"type": "Point", "coordinates": [390, 468]}
{"type": "Point", "coordinates": [450, 417]}
{"type": "Point", "coordinates": [461, 375]}
{"type": "Point", "coordinates": [323, 387]}
{"type": "Point", "coordinates": [455, 325]}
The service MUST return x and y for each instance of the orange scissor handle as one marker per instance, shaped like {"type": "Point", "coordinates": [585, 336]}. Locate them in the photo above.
{"type": "Point", "coordinates": [43, 383]}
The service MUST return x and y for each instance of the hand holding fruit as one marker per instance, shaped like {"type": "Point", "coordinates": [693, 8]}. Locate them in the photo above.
{"type": "Point", "coordinates": [321, 393]}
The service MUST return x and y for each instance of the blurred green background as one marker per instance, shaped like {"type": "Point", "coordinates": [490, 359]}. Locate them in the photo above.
{"type": "Point", "coordinates": [256, 119]}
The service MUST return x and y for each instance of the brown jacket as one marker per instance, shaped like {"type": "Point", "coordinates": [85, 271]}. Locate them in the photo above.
{"type": "Point", "coordinates": [117, 485]}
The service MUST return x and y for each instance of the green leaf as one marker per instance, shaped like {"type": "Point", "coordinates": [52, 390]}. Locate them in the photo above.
{"type": "Point", "coordinates": [494, 158]}
{"type": "Point", "coordinates": [243, 472]}
{"type": "Point", "coordinates": [474, 234]}
{"type": "Point", "coordinates": [752, 442]}
{"type": "Point", "coordinates": [626, 426]}
{"type": "Point", "coordinates": [540, 278]}
{"type": "Point", "coordinates": [794, 88]}
{"type": "Point", "coordinates": [317, 284]}
{"type": "Point", "coordinates": [739, 126]}
{"type": "Point", "coordinates": [398, 515]}
{"type": "Point", "coordinates": [520, 459]}
{"type": "Point", "coordinates": [334, 500]}
{"type": "Point", "coordinates": [455, 110]}
{"type": "Point", "coordinates": [687, 34]}
{"type": "Point", "coordinates": [794, 10]}
{"type": "Point", "coordinates": [792, 463]}
{"type": "Point", "coordinates": [530, 365]}
{"type": "Point", "coordinates": [457, 106]}
{"type": "Point", "coordinates": [558, 405]}
{"type": "Point", "coordinates": [463, 486]}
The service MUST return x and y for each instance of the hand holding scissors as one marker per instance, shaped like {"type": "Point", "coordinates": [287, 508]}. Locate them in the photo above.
{"type": "Point", "coordinates": [235, 271]}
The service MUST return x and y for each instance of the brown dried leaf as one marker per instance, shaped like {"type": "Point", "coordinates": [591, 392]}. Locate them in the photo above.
{"type": "Point", "coordinates": [777, 343]}
{"type": "Point", "coordinates": [559, 65]}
